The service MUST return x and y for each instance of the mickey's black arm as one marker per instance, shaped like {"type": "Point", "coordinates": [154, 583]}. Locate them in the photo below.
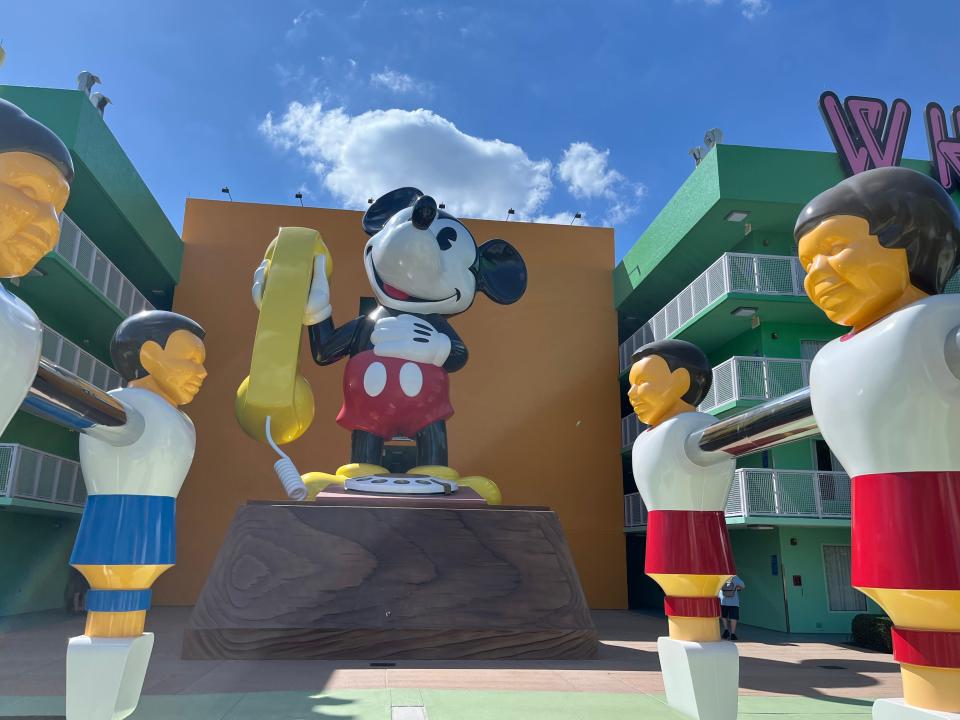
{"type": "Point", "coordinates": [458, 351]}
{"type": "Point", "coordinates": [328, 343]}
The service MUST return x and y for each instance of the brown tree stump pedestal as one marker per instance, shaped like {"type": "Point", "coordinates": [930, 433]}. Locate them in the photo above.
{"type": "Point", "coordinates": [437, 579]}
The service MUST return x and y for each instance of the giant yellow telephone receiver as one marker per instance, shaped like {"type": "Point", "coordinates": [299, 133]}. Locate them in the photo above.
{"type": "Point", "coordinates": [275, 388]}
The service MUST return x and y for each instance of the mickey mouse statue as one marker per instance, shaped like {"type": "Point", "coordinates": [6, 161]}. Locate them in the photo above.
{"type": "Point", "coordinates": [423, 266]}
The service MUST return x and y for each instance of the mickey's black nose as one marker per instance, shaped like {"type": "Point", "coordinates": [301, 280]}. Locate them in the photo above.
{"type": "Point", "coordinates": [424, 212]}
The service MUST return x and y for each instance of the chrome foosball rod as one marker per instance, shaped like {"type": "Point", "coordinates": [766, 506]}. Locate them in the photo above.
{"type": "Point", "coordinates": [783, 420]}
{"type": "Point", "coordinates": [62, 398]}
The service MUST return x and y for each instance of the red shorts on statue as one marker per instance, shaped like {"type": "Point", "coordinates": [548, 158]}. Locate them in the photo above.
{"type": "Point", "coordinates": [389, 397]}
{"type": "Point", "coordinates": [688, 542]}
{"type": "Point", "coordinates": [906, 531]}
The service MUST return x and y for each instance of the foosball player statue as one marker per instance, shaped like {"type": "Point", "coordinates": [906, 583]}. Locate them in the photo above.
{"type": "Point", "coordinates": [688, 550]}
{"type": "Point", "coordinates": [133, 474]}
{"type": "Point", "coordinates": [878, 248]}
{"type": "Point", "coordinates": [35, 175]}
{"type": "Point", "coordinates": [423, 266]}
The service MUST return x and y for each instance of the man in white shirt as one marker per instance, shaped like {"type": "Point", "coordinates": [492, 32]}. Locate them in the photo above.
{"type": "Point", "coordinates": [730, 607]}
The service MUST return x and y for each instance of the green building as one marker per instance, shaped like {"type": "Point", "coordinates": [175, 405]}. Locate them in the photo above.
{"type": "Point", "coordinates": [118, 255]}
{"type": "Point", "coordinates": [717, 267]}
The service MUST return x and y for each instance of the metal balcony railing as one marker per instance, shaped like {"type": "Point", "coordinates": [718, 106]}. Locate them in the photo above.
{"type": "Point", "coordinates": [771, 493]}
{"type": "Point", "coordinates": [34, 475]}
{"type": "Point", "coordinates": [789, 493]}
{"type": "Point", "coordinates": [634, 511]}
{"type": "Point", "coordinates": [79, 250]}
{"type": "Point", "coordinates": [755, 378]}
{"type": "Point", "coordinates": [630, 427]}
{"type": "Point", "coordinates": [60, 351]}
{"type": "Point", "coordinates": [953, 284]}
{"type": "Point", "coordinates": [731, 272]}
{"type": "Point", "coordinates": [739, 378]}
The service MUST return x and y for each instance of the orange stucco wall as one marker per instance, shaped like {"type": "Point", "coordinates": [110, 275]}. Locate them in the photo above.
{"type": "Point", "coordinates": [536, 406]}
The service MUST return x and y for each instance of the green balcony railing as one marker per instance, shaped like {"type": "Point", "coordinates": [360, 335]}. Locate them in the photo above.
{"type": "Point", "coordinates": [789, 493]}
{"type": "Point", "coordinates": [30, 474]}
{"type": "Point", "coordinates": [770, 493]}
{"type": "Point", "coordinates": [60, 351]}
{"type": "Point", "coordinates": [81, 252]}
{"type": "Point", "coordinates": [754, 378]}
{"type": "Point", "coordinates": [739, 379]}
{"type": "Point", "coordinates": [731, 272]}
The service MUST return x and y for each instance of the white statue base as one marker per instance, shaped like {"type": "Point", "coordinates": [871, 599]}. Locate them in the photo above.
{"type": "Point", "coordinates": [105, 676]}
{"type": "Point", "coordinates": [897, 709]}
{"type": "Point", "coordinates": [701, 679]}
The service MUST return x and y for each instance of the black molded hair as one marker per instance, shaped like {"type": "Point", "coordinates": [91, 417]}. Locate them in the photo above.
{"type": "Point", "coordinates": [681, 354]}
{"type": "Point", "coordinates": [130, 336]}
{"type": "Point", "coordinates": [905, 209]}
{"type": "Point", "coordinates": [21, 133]}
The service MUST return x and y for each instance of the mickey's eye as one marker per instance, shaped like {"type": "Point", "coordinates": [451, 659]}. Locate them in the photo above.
{"type": "Point", "coordinates": [445, 237]}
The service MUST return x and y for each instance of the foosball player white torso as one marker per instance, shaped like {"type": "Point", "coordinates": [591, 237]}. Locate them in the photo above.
{"type": "Point", "coordinates": [688, 549]}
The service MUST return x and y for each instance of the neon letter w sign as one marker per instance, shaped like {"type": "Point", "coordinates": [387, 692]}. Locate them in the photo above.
{"type": "Point", "coordinates": [864, 134]}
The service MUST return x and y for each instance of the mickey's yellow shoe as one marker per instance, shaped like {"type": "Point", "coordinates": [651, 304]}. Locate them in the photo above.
{"type": "Point", "coordinates": [352, 470]}
{"type": "Point", "coordinates": [317, 481]}
{"type": "Point", "coordinates": [438, 471]}
{"type": "Point", "coordinates": [484, 487]}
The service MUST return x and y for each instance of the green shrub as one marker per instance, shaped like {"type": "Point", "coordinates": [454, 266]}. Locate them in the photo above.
{"type": "Point", "coordinates": [872, 631]}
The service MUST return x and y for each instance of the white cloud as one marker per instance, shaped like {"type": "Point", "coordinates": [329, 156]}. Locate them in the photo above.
{"type": "Point", "coordinates": [396, 81]}
{"type": "Point", "coordinates": [588, 175]}
{"type": "Point", "coordinates": [754, 8]}
{"type": "Point", "coordinates": [584, 169]}
{"type": "Point", "coordinates": [359, 156]}
{"type": "Point", "coordinates": [560, 218]}
{"type": "Point", "coordinates": [626, 206]}
{"type": "Point", "coordinates": [299, 27]}
{"type": "Point", "coordinates": [750, 9]}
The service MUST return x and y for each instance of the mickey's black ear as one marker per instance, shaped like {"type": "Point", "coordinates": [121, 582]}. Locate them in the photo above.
{"type": "Point", "coordinates": [387, 206]}
{"type": "Point", "coordinates": [501, 272]}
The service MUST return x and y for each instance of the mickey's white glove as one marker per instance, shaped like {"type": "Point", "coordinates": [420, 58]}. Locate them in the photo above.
{"type": "Point", "coordinates": [317, 307]}
{"type": "Point", "coordinates": [410, 338]}
{"type": "Point", "coordinates": [259, 281]}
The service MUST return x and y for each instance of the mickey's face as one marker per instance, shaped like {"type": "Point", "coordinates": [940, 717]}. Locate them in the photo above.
{"type": "Point", "coordinates": [421, 261]}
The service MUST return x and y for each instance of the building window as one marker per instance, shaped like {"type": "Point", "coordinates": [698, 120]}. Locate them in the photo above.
{"type": "Point", "coordinates": [841, 595]}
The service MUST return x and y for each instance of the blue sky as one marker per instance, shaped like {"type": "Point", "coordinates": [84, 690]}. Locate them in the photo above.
{"type": "Point", "coordinates": [548, 107]}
